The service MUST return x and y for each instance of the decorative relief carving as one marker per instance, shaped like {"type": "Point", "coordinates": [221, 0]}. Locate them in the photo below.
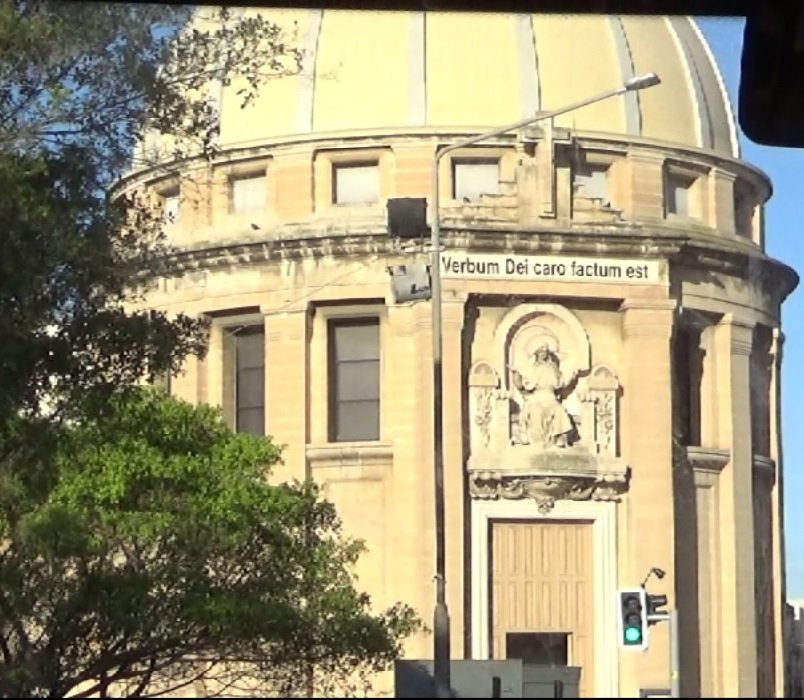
{"type": "Point", "coordinates": [602, 394]}
{"type": "Point", "coordinates": [546, 489]}
{"type": "Point", "coordinates": [483, 414]}
{"type": "Point", "coordinates": [543, 422]}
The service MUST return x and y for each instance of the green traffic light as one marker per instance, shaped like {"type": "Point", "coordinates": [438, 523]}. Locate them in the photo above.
{"type": "Point", "coordinates": [633, 635]}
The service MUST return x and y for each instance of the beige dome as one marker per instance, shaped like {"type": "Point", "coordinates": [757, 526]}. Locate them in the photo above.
{"type": "Point", "coordinates": [377, 71]}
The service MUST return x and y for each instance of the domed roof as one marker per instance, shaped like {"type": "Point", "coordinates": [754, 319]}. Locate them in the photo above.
{"type": "Point", "coordinates": [382, 71]}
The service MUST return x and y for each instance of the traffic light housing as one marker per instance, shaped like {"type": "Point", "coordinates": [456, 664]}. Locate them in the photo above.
{"type": "Point", "coordinates": [655, 603]}
{"type": "Point", "coordinates": [633, 619]}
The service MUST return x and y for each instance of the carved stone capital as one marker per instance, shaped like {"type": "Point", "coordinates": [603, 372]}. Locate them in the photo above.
{"type": "Point", "coordinates": [546, 489]}
{"type": "Point", "coordinates": [648, 318]}
{"type": "Point", "coordinates": [765, 467]}
{"type": "Point", "coordinates": [706, 464]}
{"type": "Point", "coordinates": [741, 335]}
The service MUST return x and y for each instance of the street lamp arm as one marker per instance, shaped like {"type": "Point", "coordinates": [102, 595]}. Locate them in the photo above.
{"type": "Point", "coordinates": [633, 84]}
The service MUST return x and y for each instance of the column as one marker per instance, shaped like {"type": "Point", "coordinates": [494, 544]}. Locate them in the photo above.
{"type": "Point", "coordinates": [706, 466]}
{"type": "Point", "coordinates": [733, 338]}
{"type": "Point", "coordinates": [777, 513]}
{"type": "Point", "coordinates": [647, 513]}
{"type": "Point", "coordinates": [286, 369]}
{"type": "Point", "coordinates": [452, 317]}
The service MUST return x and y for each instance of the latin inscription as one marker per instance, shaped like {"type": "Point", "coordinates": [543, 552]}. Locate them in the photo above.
{"type": "Point", "coordinates": [578, 269]}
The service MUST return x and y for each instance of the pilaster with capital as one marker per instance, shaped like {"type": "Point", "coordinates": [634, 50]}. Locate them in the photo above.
{"type": "Point", "coordinates": [286, 364]}
{"type": "Point", "coordinates": [777, 501]}
{"type": "Point", "coordinates": [707, 465]}
{"type": "Point", "coordinates": [647, 428]}
{"type": "Point", "coordinates": [453, 314]}
{"type": "Point", "coordinates": [408, 408]}
{"type": "Point", "coordinates": [734, 340]}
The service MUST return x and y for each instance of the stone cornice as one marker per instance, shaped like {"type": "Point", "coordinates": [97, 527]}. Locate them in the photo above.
{"type": "Point", "coordinates": [711, 254]}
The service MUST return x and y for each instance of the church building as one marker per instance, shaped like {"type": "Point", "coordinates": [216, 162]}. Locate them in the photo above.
{"type": "Point", "coordinates": [610, 324]}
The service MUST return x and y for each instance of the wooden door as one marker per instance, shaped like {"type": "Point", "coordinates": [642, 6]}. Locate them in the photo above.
{"type": "Point", "coordinates": [542, 585]}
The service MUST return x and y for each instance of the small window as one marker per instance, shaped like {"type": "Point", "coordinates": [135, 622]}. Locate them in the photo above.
{"type": "Point", "coordinates": [472, 178]}
{"type": "Point", "coordinates": [677, 194]}
{"type": "Point", "coordinates": [354, 379]}
{"type": "Point", "coordinates": [591, 181]}
{"type": "Point", "coordinates": [357, 183]}
{"type": "Point", "coordinates": [248, 194]}
{"type": "Point", "coordinates": [170, 206]}
{"type": "Point", "coordinates": [250, 380]}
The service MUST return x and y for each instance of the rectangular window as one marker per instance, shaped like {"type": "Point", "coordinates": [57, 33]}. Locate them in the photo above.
{"type": "Point", "coordinates": [471, 178]}
{"type": "Point", "coordinates": [677, 194]}
{"type": "Point", "coordinates": [248, 194]}
{"type": "Point", "coordinates": [170, 206]}
{"type": "Point", "coordinates": [249, 348]}
{"type": "Point", "coordinates": [356, 183]}
{"type": "Point", "coordinates": [591, 181]}
{"type": "Point", "coordinates": [354, 379]}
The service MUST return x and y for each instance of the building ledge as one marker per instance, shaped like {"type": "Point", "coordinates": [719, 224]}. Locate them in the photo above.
{"type": "Point", "coordinates": [350, 454]}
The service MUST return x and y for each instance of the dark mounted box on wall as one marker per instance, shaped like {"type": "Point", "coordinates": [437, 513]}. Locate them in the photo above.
{"type": "Point", "coordinates": [407, 217]}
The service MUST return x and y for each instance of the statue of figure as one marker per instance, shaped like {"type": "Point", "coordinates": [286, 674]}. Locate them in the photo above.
{"type": "Point", "coordinates": [543, 420]}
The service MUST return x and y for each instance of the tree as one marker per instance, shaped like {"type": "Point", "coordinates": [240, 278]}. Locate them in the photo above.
{"type": "Point", "coordinates": [81, 84]}
{"type": "Point", "coordinates": [158, 555]}
{"type": "Point", "coordinates": [139, 542]}
{"type": "Point", "coordinates": [99, 77]}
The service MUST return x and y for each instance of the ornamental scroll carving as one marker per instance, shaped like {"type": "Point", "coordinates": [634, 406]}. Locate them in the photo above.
{"type": "Point", "coordinates": [543, 422]}
{"type": "Point", "coordinates": [547, 489]}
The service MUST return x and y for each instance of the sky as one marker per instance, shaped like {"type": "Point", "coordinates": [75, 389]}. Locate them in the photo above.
{"type": "Point", "coordinates": [785, 167]}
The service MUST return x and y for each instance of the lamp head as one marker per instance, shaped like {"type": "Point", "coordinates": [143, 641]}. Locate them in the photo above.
{"type": "Point", "coordinates": [642, 81]}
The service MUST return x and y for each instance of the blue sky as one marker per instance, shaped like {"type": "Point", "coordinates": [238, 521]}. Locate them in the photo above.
{"type": "Point", "coordinates": [785, 166]}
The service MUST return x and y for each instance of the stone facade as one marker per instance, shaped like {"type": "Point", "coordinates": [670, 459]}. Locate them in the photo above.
{"type": "Point", "coordinates": [639, 396]}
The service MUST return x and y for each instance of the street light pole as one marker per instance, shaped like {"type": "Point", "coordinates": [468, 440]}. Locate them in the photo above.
{"type": "Point", "coordinates": [441, 643]}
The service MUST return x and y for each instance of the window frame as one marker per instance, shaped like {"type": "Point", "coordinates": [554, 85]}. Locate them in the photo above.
{"type": "Point", "coordinates": [505, 154]}
{"type": "Point", "coordinates": [171, 192]}
{"type": "Point", "coordinates": [458, 161]}
{"type": "Point", "coordinates": [325, 162]}
{"type": "Point", "coordinates": [346, 165]}
{"type": "Point", "coordinates": [587, 170]}
{"type": "Point", "coordinates": [248, 175]}
{"type": "Point", "coordinates": [235, 333]}
{"type": "Point", "coordinates": [332, 364]}
{"type": "Point", "coordinates": [695, 180]}
{"type": "Point", "coordinates": [220, 363]}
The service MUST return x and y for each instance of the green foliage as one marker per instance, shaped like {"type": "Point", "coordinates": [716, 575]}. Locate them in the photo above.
{"type": "Point", "coordinates": [140, 544]}
{"type": "Point", "coordinates": [158, 545]}
{"type": "Point", "coordinates": [98, 76]}
{"type": "Point", "coordinates": [80, 85]}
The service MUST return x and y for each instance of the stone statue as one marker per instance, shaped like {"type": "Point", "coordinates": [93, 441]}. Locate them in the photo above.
{"type": "Point", "coordinates": [543, 420]}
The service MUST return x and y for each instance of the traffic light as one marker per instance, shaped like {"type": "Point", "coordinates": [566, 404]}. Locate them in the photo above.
{"type": "Point", "coordinates": [633, 619]}
{"type": "Point", "coordinates": [654, 605]}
